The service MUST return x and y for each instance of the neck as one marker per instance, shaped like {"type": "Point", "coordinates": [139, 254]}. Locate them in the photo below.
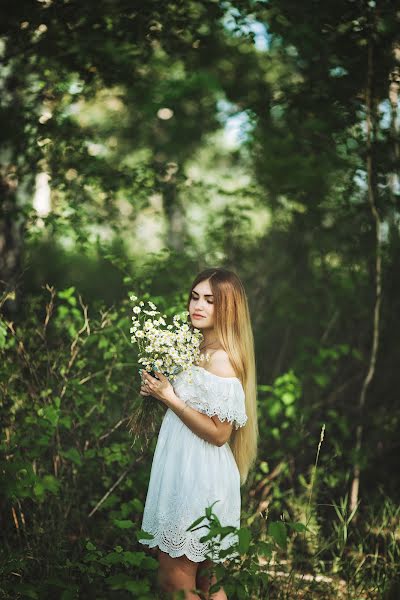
{"type": "Point", "coordinates": [210, 339]}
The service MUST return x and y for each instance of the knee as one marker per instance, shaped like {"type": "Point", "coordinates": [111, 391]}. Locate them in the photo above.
{"type": "Point", "coordinates": [176, 574]}
{"type": "Point", "coordinates": [174, 580]}
{"type": "Point", "coordinates": [167, 580]}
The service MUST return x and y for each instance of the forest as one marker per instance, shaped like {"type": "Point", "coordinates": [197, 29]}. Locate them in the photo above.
{"type": "Point", "coordinates": [142, 142]}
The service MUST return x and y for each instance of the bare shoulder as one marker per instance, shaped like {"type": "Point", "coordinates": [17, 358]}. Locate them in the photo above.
{"type": "Point", "coordinates": [221, 365]}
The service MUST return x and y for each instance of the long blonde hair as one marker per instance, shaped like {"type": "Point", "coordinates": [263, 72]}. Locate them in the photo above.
{"type": "Point", "coordinates": [232, 326]}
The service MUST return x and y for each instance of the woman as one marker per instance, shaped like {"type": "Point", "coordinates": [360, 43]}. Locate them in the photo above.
{"type": "Point", "coordinates": [208, 438]}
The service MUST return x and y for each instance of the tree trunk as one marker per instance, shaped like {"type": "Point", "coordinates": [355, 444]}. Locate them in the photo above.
{"type": "Point", "coordinates": [371, 122]}
{"type": "Point", "coordinates": [10, 239]}
{"type": "Point", "coordinates": [174, 213]}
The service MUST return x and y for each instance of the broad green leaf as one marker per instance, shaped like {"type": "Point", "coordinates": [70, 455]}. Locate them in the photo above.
{"type": "Point", "coordinates": [143, 535]}
{"type": "Point", "coordinates": [124, 524]}
{"type": "Point", "coordinates": [277, 530]}
{"type": "Point", "coordinates": [244, 536]}
{"type": "Point", "coordinates": [73, 455]}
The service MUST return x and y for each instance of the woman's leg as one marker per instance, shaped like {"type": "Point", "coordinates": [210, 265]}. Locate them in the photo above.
{"type": "Point", "coordinates": [177, 574]}
{"type": "Point", "coordinates": [205, 579]}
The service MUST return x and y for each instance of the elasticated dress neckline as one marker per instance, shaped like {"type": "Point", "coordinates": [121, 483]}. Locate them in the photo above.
{"type": "Point", "coordinates": [214, 375]}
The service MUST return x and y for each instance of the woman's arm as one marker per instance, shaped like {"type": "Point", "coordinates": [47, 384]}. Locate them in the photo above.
{"type": "Point", "coordinates": [210, 429]}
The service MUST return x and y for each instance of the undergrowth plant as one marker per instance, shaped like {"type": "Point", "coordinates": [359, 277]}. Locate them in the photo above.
{"type": "Point", "coordinates": [73, 486]}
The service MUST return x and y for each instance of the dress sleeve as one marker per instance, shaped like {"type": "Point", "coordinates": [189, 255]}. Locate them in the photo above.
{"type": "Point", "coordinates": [225, 399]}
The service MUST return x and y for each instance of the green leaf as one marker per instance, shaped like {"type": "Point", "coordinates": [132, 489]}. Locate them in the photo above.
{"type": "Point", "coordinates": [66, 293]}
{"type": "Point", "coordinates": [265, 549]}
{"type": "Point", "coordinates": [65, 421]}
{"type": "Point", "coordinates": [244, 536]}
{"type": "Point", "coordinates": [134, 558]}
{"type": "Point", "coordinates": [124, 524]}
{"type": "Point", "coordinates": [113, 558]}
{"type": "Point", "coordinates": [195, 523]}
{"type": "Point", "coordinates": [209, 509]}
{"type": "Point", "coordinates": [3, 334]}
{"type": "Point", "coordinates": [90, 546]}
{"type": "Point", "coordinates": [277, 530]}
{"type": "Point", "coordinates": [143, 535]}
{"type": "Point", "coordinates": [290, 411]}
{"type": "Point", "coordinates": [321, 379]}
{"type": "Point", "coordinates": [38, 490]}
{"type": "Point", "coordinates": [149, 563]}
{"type": "Point", "coordinates": [51, 483]}
{"type": "Point", "coordinates": [264, 388]}
{"type": "Point", "coordinates": [288, 398]}
{"type": "Point", "coordinates": [51, 413]}
{"type": "Point", "coordinates": [73, 455]}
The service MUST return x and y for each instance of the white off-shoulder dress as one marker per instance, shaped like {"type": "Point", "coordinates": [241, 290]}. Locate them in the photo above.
{"type": "Point", "coordinates": [188, 474]}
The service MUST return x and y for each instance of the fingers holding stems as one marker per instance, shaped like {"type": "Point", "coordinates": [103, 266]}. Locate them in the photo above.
{"type": "Point", "coordinates": [144, 391]}
{"type": "Point", "coordinates": [160, 388]}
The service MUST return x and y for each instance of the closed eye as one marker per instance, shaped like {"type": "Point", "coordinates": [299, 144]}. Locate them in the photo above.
{"type": "Point", "coordinates": [209, 301]}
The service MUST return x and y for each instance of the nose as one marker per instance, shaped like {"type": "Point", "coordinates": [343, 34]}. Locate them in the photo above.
{"type": "Point", "coordinates": [199, 304]}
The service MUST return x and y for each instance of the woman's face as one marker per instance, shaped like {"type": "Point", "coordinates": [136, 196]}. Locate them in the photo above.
{"type": "Point", "coordinates": [201, 307]}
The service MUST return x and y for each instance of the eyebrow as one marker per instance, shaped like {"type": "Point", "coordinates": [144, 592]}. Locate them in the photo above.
{"type": "Point", "coordinates": [205, 295]}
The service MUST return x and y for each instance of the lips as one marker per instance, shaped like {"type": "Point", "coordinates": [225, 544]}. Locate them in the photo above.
{"type": "Point", "coordinates": [198, 316]}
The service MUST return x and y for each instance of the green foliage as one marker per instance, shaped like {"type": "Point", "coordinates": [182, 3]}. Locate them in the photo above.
{"type": "Point", "coordinates": [287, 208]}
{"type": "Point", "coordinates": [280, 404]}
{"type": "Point", "coordinates": [246, 573]}
{"type": "Point", "coordinates": [58, 462]}
{"type": "Point", "coordinates": [64, 447]}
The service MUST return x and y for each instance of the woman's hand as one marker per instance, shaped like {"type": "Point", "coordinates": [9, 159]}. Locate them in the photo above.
{"type": "Point", "coordinates": [159, 388]}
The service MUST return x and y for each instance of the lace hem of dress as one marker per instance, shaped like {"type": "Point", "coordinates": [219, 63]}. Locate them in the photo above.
{"type": "Point", "coordinates": [223, 397]}
{"type": "Point", "coordinates": [237, 417]}
{"type": "Point", "coordinates": [190, 547]}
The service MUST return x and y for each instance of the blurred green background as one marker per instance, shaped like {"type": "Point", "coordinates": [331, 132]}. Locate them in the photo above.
{"type": "Point", "coordinates": [141, 143]}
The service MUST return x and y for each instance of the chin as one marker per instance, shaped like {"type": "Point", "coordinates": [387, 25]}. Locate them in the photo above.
{"type": "Point", "coordinates": [197, 323]}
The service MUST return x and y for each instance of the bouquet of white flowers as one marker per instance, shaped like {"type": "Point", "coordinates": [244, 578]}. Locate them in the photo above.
{"type": "Point", "coordinates": [165, 347]}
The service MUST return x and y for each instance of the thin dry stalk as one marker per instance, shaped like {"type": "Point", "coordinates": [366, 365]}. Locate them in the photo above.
{"type": "Point", "coordinates": [371, 127]}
